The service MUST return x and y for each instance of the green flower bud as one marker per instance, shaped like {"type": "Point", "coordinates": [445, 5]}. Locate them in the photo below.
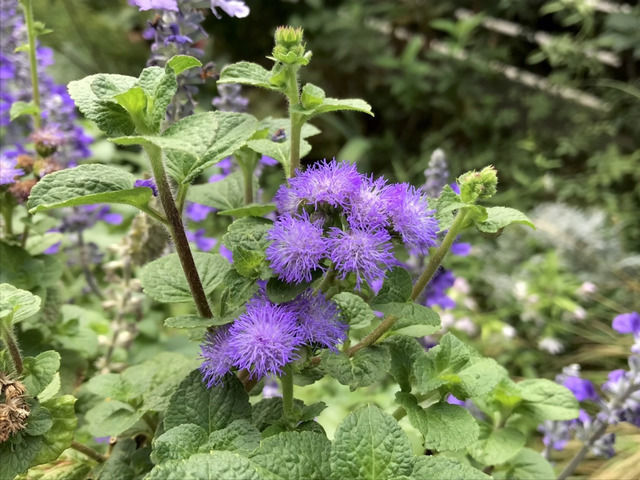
{"type": "Point", "coordinates": [289, 37]}
{"type": "Point", "coordinates": [289, 47]}
{"type": "Point", "coordinates": [477, 185]}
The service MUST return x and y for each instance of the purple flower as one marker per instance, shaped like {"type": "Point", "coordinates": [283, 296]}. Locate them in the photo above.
{"type": "Point", "coordinates": [268, 161]}
{"type": "Point", "coordinates": [332, 182]}
{"type": "Point", "coordinates": [615, 380]}
{"type": "Point", "coordinates": [436, 174]}
{"type": "Point", "coordinates": [581, 388]}
{"type": "Point", "coordinates": [297, 248]}
{"type": "Point", "coordinates": [226, 253]}
{"type": "Point", "coordinates": [286, 200]}
{"type": "Point", "coordinates": [318, 320]}
{"type": "Point", "coordinates": [8, 170]}
{"type": "Point", "coordinates": [627, 323]}
{"type": "Point", "coordinates": [143, 5]}
{"type": "Point", "coordinates": [367, 253]}
{"type": "Point", "coordinates": [202, 242]}
{"type": "Point", "coordinates": [197, 212]}
{"type": "Point", "coordinates": [436, 291]}
{"type": "Point", "coordinates": [264, 339]}
{"type": "Point", "coordinates": [455, 187]}
{"type": "Point", "coordinates": [452, 400]}
{"type": "Point", "coordinates": [230, 98]}
{"type": "Point", "coordinates": [233, 8]}
{"type": "Point", "coordinates": [149, 183]}
{"type": "Point", "coordinates": [411, 217]}
{"type": "Point", "coordinates": [461, 249]}
{"type": "Point", "coordinates": [215, 354]}
{"type": "Point", "coordinates": [368, 207]}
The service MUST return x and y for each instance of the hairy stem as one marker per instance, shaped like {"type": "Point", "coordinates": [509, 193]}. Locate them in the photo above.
{"type": "Point", "coordinates": [247, 176]}
{"type": "Point", "coordinates": [33, 61]}
{"type": "Point", "coordinates": [7, 216]}
{"type": "Point", "coordinates": [89, 452]}
{"type": "Point", "coordinates": [176, 229]}
{"type": "Point", "coordinates": [181, 197]}
{"type": "Point", "coordinates": [12, 346]}
{"type": "Point", "coordinates": [294, 153]}
{"type": "Point", "coordinates": [153, 213]}
{"type": "Point", "coordinates": [286, 381]}
{"type": "Point", "coordinates": [373, 337]}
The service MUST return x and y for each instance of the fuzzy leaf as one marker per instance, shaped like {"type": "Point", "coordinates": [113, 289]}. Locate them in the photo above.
{"type": "Point", "coordinates": [240, 435]}
{"type": "Point", "coordinates": [312, 96]}
{"type": "Point", "coordinates": [292, 456]}
{"type": "Point", "coordinates": [495, 447]}
{"type": "Point", "coordinates": [247, 73]}
{"type": "Point", "coordinates": [211, 409]}
{"type": "Point", "coordinates": [413, 319]}
{"type": "Point", "coordinates": [354, 311]}
{"type": "Point", "coordinates": [39, 420]}
{"type": "Point", "coordinates": [529, 464]}
{"type": "Point", "coordinates": [86, 185]}
{"type": "Point", "coordinates": [370, 445]}
{"type": "Point", "coordinates": [396, 287]}
{"type": "Point", "coordinates": [543, 399]}
{"type": "Point", "coordinates": [366, 367]}
{"type": "Point", "coordinates": [246, 237]}
{"type": "Point", "coordinates": [278, 150]}
{"type": "Point", "coordinates": [22, 108]}
{"type": "Point", "coordinates": [181, 63]}
{"type": "Point", "coordinates": [179, 442]}
{"type": "Point", "coordinates": [443, 468]}
{"type": "Point", "coordinates": [164, 280]}
{"type": "Point", "coordinates": [39, 371]}
{"type": "Point", "coordinates": [404, 351]}
{"type": "Point", "coordinates": [214, 466]}
{"type": "Point", "coordinates": [225, 194]}
{"type": "Point", "coordinates": [500, 217]}
{"type": "Point", "coordinates": [59, 437]}
{"type": "Point", "coordinates": [251, 210]}
{"type": "Point", "coordinates": [443, 426]}
{"type": "Point", "coordinates": [17, 304]}
{"type": "Point", "coordinates": [279, 291]}
{"type": "Point", "coordinates": [16, 457]}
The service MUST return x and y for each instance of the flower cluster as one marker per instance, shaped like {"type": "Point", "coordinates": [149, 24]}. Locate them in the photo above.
{"type": "Point", "coordinates": [268, 336]}
{"type": "Point", "coordinates": [619, 402]}
{"type": "Point", "coordinates": [349, 219]}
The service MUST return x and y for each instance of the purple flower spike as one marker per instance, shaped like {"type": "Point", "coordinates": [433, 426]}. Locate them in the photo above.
{"type": "Point", "coordinates": [318, 320]}
{"type": "Point", "coordinates": [367, 253]}
{"type": "Point", "coordinates": [297, 249]}
{"type": "Point", "coordinates": [411, 217]}
{"type": "Point", "coordinates": [214, 351]}
{"type": "Point", "coordinates": [627, 323]}
{"type": "Point", "coordinates": [149, 183]}
{"type": "Point", "coordinates": [233, 8]}
{"type": "Point", "coordinates": [171, 5]}
{"type": "Point", "coordinates": [264, 339]}
{"type": "Point", "coordinates": [581, 388]}
{"type": "Point", "coordinates": [332, 182]}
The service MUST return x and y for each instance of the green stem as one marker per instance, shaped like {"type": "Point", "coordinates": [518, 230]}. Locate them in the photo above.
{"type": "Point", "coordinates": [7, 215]}
{"type": "Point", "coordinates": [286, 380]}
{"type": "Point", "coordinates": [294, 152]}
{"type": "Point", "coordinates": [181, 197]}
{"type": "Point", "coordinates": [247, 175]}
{"type": "Point", "coordinates": [176, 229]}
{"type": "Point", "coordinates": [33, 61]}
{"type": "Point", "coordinates": [12, 345]}
{"type": "Point", "coordinates": [436, 259]}
{"type": "Point", "coordinates": [153, 213]}
{"type": "Point", "coordinates": [434, 262]}
{"type": "Point", "coordinates": [326, 281]}
{"type": "Point", "coordinates": [89, 452]}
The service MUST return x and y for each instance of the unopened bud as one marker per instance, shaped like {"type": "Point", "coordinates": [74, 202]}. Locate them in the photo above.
{"type": "Point", "coordinates": [289, 47]}
{"type": "Point", "coordinates": [478, 185]}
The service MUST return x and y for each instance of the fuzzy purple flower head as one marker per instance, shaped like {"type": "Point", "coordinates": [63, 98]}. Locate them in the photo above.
{"type": "Point", "coordinates": [318, 320]}
{"type": "Point", "coordinates": [297, 248]}
{"type": "Point", "coordinates": [327, 182]}
{"type": "Point", "coordinates": [369, 207]}
{"type": "Point", "coordinates": [214, 351]}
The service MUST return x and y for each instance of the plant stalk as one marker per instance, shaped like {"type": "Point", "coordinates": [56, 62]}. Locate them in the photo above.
{"type": "Point", "coordinates": [286, 380]}
{"type": "Point", "coordinates": [7, 215]}
{"type": "Point", "coordinates": [89, 452]}
{"type": "Point", "coordinates": [12, 345]}
{"type": "Point", "coordinates": [176, 229]}
{"type": "Point", "coordinates": [293, 94]}
{"type": "Point", "coordinates": [33, 61]}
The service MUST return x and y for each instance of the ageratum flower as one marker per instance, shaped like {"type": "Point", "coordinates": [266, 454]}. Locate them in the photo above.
{"type": "Point", "coordinates": [8, 170]}
{"type": "Point", "coordinates": [333, 182]}
{"type": "Point", "coordinates": [318, 320]}
{"type": "Point", "coordinates": [411, 217]}
{"type": "Point", "coordinates": [298, 247]}
{"type": "Point", "coordinates": [214, 351]}
{"type": "Point", "coordinates": [368, 206]}
{"type": "Point", "coordinates": [264, 339]}
{"type": "Point", "coordinates": [367, 253]}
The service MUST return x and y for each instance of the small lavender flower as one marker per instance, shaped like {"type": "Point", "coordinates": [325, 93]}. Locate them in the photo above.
{"type": "Point", "coordinates": [198, 212]}
{"type": "Point", "coordinates": [411, 217]}
{"type": "Point", "coordinates": [8, 170]}
{"type": "Point", "coordinates": [556, 435]}
{"type": "Point", "coordinates": [367, 253]}
{"type": "Point", "coordinates": [318, 320]}
{"type": "Point", "coordinates": [148, 183]}
{"type": "Point", "coordinates": [436, 291]}
{"type": "Point", "coordinates": [81, 218]}
{"type": "Point", "coordinates": [264, 339]}
{"type": "Point", "coordinates": [143, 5]}
{"type": "Point", "coordinates": [214, 352]}
{"type": "Point", "coordinates": [233, 8]}
{"type": "Point", "coordinates": [436, 174]}
{"type": "Point", "coordinates": [581, 388]}
{"type": "Point", "coordinates": [203, 242]}
{"type": "Point", "coordinates": [334, 183]}
{"type": "Point", "coordinates": [298, 247]}
{"type": "Point", "coordinates": [627, 323]}
{"type": "Point", "coordinates": [230, 99]}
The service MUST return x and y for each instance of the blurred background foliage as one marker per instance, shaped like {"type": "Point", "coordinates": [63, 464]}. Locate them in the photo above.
{"type": "Point", "coordinates": [547, 91]}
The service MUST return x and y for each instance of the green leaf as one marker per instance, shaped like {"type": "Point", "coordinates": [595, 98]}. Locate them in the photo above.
{"type": "Point", "coordinates": [19, 268]}
{"type": "Point", "coordinates": [251, 210]}
{"type": "Point", "coordinates": [279, 291]}
{"type": "Point", "coordinates": [319, 105]}
{"type": "Point", "coordinates": [211, 409]}
{"type": "Point", "coordinates": [86, 185]}
{"type": "Point", "coordinates": [225, 194]}
{"type": "Point", "coordinates": [39, 420]}
{"type": "Point", "coordinates": [269, 411]}
{"type": "Point", "coordinates": [293, 456]}
{"type": "Point", "coordinates": [50, 390]}
{"type": "Point", "coordinates": [39, 371]}
{"type": "Point", "coordinates": [214, 466]}
{"type": "Point", "coordinates": [443, 426]}
{"type": "Point", "coordinates": [366, 367]}
{"type": "Point", "coordinates": [495, 447]}
{"type": "Point", "coordinates": [59, 437]}
{"type": "Point", "coordinates": [312, 96]}
{"type": "Point", "coordinates": [119, 464]}
{"type": "Point", "coordinates": [443, 468]}
{"type": "Point", "coordinates": [16, 304]}
{"type": "Point", "coordinates": [246, 237]}
{"type": "Point", "coordinates": [38, 244]}
{"type": "Point", "coordinates": [111, 417]}
{"type": "Point", "coordinates": [396, 287]}
{"type": "Point", "coordinates": [164, 280]}
{"type": "Point", "coordinates": [17, 456]}
{"type": "Point", "coordinates": [354, 311]}
{"type": "Point", "coordinates": [240, 435]}
{"type": "Point", "coordinates": [190, 321]}
{"type": "Point", "coordinates": [22, 108]}
{"type": "Point", "coordinates": [247, 73]}
{"type": "Point", "coordinates": [529, 464]}
{"type": "Point", "coordinates": [404, 351]}
{"type": "Point", "coordinates": [543, 399]}
{"type": "Point", "coordinates": [370, 445]}
{"type": "Point", "coordinates": [134, 101]}
{"type": "Point", "coordinates": [278, 150]}
{"type": "Point", "coordinates": [500, 217]}
{"type": "Point", "coordinates": [181, 63]}
{"type": "Point", "coordinates": [179, 442]}
{"type": "Point", "coordinates": [413, 319]}
{"type": "Point", "coordinates": [446, 206]}
{"type": "Point", "coordinates": [94, 96]}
